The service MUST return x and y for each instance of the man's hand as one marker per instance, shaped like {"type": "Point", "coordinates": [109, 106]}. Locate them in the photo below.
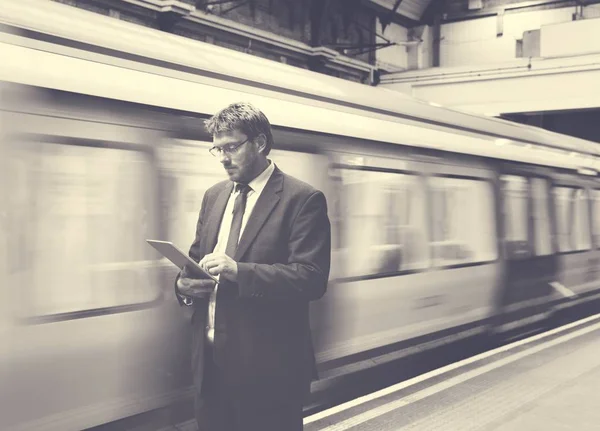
{"type": "Point", "coordinates": [195, 287]}
{"type": "Point", "coordinates": [220, 264]}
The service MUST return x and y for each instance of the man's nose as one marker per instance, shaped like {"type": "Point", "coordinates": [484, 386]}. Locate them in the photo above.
{"type": "Point", "coordinates": [223, 157]}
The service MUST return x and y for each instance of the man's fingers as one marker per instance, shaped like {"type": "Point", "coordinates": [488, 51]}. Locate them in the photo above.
{"type": "Point", "coordinates": [202, 262]}
{"type": "Point", "coordinates": [215, 263]}
{"type": "Point", "coordinates": [197, 289]}
{"type": "Point", "coordinates": [191, 283]}
{"type": "Point", "coordinates": [215, 270]}
{"type": "Point", "coordinates": [184, 272]}
{"type": "Point", "coordinates": [206, 258]}
{"type": "Point", "coordinates": [181, 283]}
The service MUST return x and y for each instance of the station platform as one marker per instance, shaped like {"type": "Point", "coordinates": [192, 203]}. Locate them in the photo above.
{"type": "Point", "coordinates": [546, 382]}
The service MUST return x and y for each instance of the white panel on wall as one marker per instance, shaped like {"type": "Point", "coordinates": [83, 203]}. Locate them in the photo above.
{"type": "Point", "coordinates": [469, 31]}
{"type": "Point", "coordinates": [473, 42]}
{"type": "Point", "coordinates": [477, 52]}
{"type": "Point", "coordinates": [570, 38]}
{"type": "Point", "coordinates": [515, 24]}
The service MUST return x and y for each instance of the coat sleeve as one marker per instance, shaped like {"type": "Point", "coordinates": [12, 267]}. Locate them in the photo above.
{"type": "Point", "coordinates": [194, 253]}
{"type": "Point", "coordinates": [306, 273]}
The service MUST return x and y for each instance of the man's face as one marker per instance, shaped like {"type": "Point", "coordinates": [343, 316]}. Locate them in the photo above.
{"type": "Point", "coordinates": [239, 161]}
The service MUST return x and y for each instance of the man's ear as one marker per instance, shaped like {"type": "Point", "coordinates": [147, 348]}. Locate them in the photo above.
{"type": "Point", "coordinates": [261, 141]}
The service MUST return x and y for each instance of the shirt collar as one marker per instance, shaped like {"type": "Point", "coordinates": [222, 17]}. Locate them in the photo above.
{"type": "Point", "coordinates": [259, 183]}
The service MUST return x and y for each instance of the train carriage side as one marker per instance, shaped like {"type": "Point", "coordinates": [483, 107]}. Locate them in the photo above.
{"type": "Point", "coordinates": [547, 228]}
{"type": "Point", "coordinates": [429, 246]}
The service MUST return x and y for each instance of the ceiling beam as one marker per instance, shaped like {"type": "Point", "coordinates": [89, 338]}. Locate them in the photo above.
{"type": "Point", "coordinates": [387, 19]}
{"type": "Point", "coordinates": [396, 18]}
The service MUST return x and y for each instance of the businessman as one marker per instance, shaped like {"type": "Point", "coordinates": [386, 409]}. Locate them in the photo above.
{"type": "Point", "coordinates": [266, 236]}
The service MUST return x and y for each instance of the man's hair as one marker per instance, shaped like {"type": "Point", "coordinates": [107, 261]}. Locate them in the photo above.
{"type": "Point", "coordinates": [244, 117]}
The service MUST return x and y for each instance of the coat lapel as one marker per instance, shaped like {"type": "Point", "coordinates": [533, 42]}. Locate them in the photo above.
{"type": "Point", "coordinates": [264, 206]}
{"type": "Point", "coordinates": [216, 215]}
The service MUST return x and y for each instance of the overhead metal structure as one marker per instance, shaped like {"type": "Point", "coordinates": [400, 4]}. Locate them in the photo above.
{"type": "Point", "coordinates": [405, 12]}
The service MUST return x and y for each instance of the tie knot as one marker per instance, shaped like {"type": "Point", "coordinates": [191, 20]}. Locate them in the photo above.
{"type": "Point", "coordinates": [243, 188]}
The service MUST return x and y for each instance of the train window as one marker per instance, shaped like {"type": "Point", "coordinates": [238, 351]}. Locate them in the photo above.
{"type": "Point", "coordinates": [572, 217]}
{"type": "Point", "coordinates": [541, 217]}
{"type": "Point", "coordinates": [463, 221]}
{"type": "Point", "coordinates": [79, 217]}
{"type": "Point", "coordinates": [384, 228]}
{"type": "Point", "coordinates": [189, 170]}
{"type": "Point", "coordinates": [515, 212]}
{"type": "Point", "coordinates": [596, 217]}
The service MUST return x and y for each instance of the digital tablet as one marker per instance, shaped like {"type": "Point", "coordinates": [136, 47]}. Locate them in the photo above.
{"type": "Point", "coordinates": [179, 258]}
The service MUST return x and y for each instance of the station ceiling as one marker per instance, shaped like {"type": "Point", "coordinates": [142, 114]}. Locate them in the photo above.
{"type": "Point", "coordinates": [411, 9]}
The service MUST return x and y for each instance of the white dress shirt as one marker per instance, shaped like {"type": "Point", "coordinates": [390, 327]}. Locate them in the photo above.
{"type": "Point", "coordinates": [257, 185]}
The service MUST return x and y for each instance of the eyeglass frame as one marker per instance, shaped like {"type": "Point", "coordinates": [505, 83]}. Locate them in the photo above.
{"type": "Point", "coordinates": [233, 148]}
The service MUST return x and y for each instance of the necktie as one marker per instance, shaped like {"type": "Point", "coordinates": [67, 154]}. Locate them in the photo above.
{"type": "Point", "coordinates": [239, 207]}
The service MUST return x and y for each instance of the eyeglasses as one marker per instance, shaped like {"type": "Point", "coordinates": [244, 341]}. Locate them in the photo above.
{"type": "Point", "coordinates": [228, 149]}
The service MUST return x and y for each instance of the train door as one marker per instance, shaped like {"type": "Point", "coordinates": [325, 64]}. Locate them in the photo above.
{"type": "Point", "coordinates": [579, 260]}
{"type": "Point", "coordinates": [530, 261]}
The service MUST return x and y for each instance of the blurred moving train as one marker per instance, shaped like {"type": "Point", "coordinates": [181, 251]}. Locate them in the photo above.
{"type": "Point", "coordinates": [445, 225]}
